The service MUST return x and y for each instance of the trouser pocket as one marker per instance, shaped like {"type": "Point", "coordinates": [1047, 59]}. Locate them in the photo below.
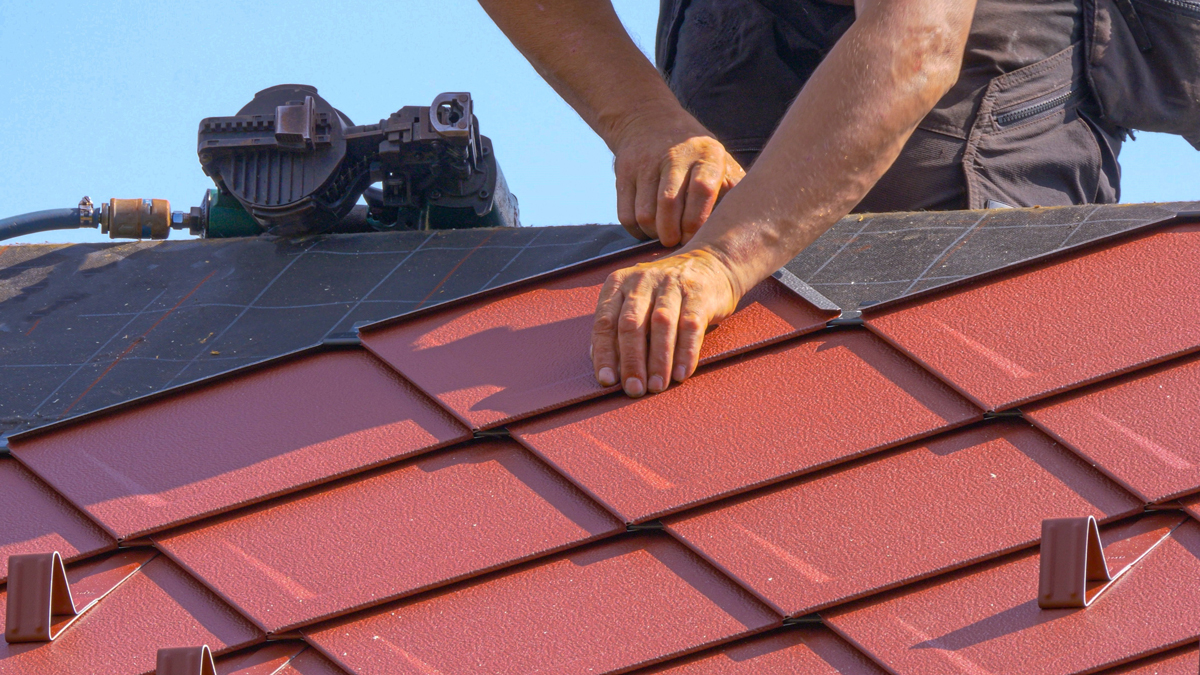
{"type": "Point", "coordinates": [1029, 144]}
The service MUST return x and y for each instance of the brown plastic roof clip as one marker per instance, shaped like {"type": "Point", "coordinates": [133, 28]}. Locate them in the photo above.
{"type": "Point", "coordinates": [39, 599]}
{"type": "Point", "coordinates": [1071, 557]}
{"type": "Point", "coordinates": [185, 661]}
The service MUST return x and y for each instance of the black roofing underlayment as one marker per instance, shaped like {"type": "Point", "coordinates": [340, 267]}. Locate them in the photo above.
{"type": "Point", "coordinates": [90, 325]}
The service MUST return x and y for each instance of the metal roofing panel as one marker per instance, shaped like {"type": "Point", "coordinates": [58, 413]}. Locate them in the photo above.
{"type": "Point", "coordinates": [758, 419]}
{"type": "Point", "coordinates": [809, 650]}
{"type": "Point", "coordinates": [284, 657]}
{"type": "Point", "coordinates": [158, 606]}
{"type": "Point", "coordinates": [238, 440]}
{"type": "Point", "coordinates": [35, 519]}
{"type": "Point", "coordinates": [985, 619]}
{"type": "Point", "coordinates": [1057, 324]}
{"type": "Point", "coordinates": [373, 538]}
{"type": "Point", "coordinates": [1141, 429]}
{"type": "Point", "coordinates": [962, 497]}
{"type": "Point", "coordinates": [503, 357]}
{"type": "Point", "coordinates": [605, 608]}
{"type": "Point", "coordinates": [1182, 661]}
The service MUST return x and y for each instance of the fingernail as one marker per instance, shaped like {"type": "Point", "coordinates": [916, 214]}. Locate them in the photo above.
{"type": "Point", "coordinates": [656, 384]}
{"type": "Point", "coordinates": [679, 373]}
{"type": "Point", "coordinates": [606, 377]}
{"type": "Point", "coordinates": [633, 387]}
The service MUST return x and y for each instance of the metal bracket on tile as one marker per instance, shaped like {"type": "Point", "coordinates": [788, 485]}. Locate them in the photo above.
{"type": "Point", "coordinates": [850, 317]}
{"type": "Point", "coordinates": [1002, 415]}
{"type": "Point", "coordinates": [185, 661]}
{"type": "Point", "coordinates": [498, 432]}
{"type": "Point", "coordinates": [40, 606]}
{"type": "Point", "coordinates": [806, 620]}
{"type": "Point", "coordinates": [1071, 556]}
{"type": "Point", "coordinates": [344, 339]}
{"type": "Point", "coordinates": [648, 526]}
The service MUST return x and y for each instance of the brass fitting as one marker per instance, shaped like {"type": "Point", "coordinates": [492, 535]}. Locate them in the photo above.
{"type": "Point", "coordinates": [136, 218]}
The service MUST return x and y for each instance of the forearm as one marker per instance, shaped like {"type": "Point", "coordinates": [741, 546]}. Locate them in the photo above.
{"type": "Point", "coordinates": [581, 49]}
{"type": "Point", "coordinates": [844, 130]}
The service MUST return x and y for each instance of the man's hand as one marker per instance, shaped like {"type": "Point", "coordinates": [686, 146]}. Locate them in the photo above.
{"type": "Point", "coordinates": [670, 174]}
{"type": "Point", "coordinates": [650, 319]}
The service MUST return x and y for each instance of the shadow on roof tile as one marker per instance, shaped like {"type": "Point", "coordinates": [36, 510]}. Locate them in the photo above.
{"type": "Point", "coordinates": [808, 651]}
{"type": "Point", "coordinates": [986, 618]}
{"type": "Point", "coordinates": [606, 608]}
{"type": "Point", "coordinates": [158, 606]}
{"type": "Point", "coordinates": [1141, 428]}
{"type": "Point", "coordinates": [773, 414]}
{"type": "Point", "coordinates": [504, 357]}
{"type": "Point", "coordinates": [236, 441]}
{"type": "Point", "coordinates": [923, 509]}
{"type": "Point", "coordinates": [36, 519]}
{"type": "Point", "coordinates": [373, 538]}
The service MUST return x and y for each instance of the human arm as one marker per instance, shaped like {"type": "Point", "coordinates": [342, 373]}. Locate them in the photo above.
{"type": "Point", "coordinates": [670, 171]}
{"type": "Point", "coordinates": [843, 131]}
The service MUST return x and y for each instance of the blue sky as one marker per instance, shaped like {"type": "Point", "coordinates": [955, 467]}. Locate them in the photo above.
{"type": "Point", "coordinates": [103, 98]}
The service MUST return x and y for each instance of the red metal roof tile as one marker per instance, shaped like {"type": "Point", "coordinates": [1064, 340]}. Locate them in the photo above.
{"type": "Point", "coordinates": [35, 519]}
{"type": "Point", "coordinates": [377, 537]}
{"type": "Point", "coordinates": [237, 441]}
{"type": "Point", "coordinates": [1192, 505]}
{"type": "Point", "coordinates": [158, 606]}
{"type": "Point", "coordinates": [960, 498]}
{"type": "Point", "coordinates": [766, 416]}
{"type": "Point", "coordinates": [285, 657]}
{"type": "Point", "coordinates": [986, 619]}
{"type": "Point", "coordinates": [1141, 429]}
{"type": "Point", "coordinates": [807, 651]}
{"type": "Point", "coordinates": [605, 608]}
{"type": "Point", "coordinates": [503, 357]}
{"type": "Point", "coordinates": [1058, 324]}
{"type": "Point", "coordinates": [1182, 661]}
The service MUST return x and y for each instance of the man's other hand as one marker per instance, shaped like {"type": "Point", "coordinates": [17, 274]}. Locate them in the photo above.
{"type": "Point", "coordinates": [651, 318]}
{"type": "Point", "coordinates": [670, 174]}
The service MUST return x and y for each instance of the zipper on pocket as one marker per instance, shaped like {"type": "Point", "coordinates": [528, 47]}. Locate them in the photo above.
{"type": "Point", "coordinates": [1189, 7]}
{"type": "Point", "coordinates": [1021, 114]}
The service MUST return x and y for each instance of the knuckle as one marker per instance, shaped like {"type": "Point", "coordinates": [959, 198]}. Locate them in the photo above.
{"type": "Point", "coordinates": [628, 323]}
{"type": "Point", "coordinates": [661, 318]}
{"type": "Point", "coordinates": [604, 324]}
{"type": "Point", "coordinates": [691, 323]}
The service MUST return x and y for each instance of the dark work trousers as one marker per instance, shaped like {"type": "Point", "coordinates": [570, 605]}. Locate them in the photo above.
{"type": "Point", "coordinates": [1016, 130]}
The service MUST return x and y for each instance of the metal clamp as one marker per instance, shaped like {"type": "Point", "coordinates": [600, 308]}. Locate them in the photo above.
{"type": "Point", "coordinates": [1071, 557]}
{"type": "Point", "coordinates": [39, 599]}
{"type": "Point", "coordinates": [185, 661]}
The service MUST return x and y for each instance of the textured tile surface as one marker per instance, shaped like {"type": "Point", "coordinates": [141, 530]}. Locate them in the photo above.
{"type": "Point", "coordinates": [772, 414]}
{"type": "Point", "coordinates": [237, 441]}
{"type": "Point", "coordinates": [370, 539]}
{"type": "Point", "coordinates": [504, 357]}
{"type": "Point", "coordinates": [35, 519]}
{"type": "Point", "coordinates": [1141, 429]}
{"type": "Point", "coordinates": [1071, 320]}
{"type": "Point", "coordinates": [605, 608]}
{"type": "Point", "coordinates": [1182, 661]}
{"type": "Point", "coordinates": [807, 651]}
{"type": "Point", "coordinates": [986, 619]}
{"type": "Point", "coordinates": [287, 657]}
{"type": "Point", "coordinates": [966, 496]}
{"type": "Point", "coordinates": [158, 606]}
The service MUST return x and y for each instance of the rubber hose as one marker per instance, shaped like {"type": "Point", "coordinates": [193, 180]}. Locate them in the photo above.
{"type": "Point", "coordinates": [39, 221]}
